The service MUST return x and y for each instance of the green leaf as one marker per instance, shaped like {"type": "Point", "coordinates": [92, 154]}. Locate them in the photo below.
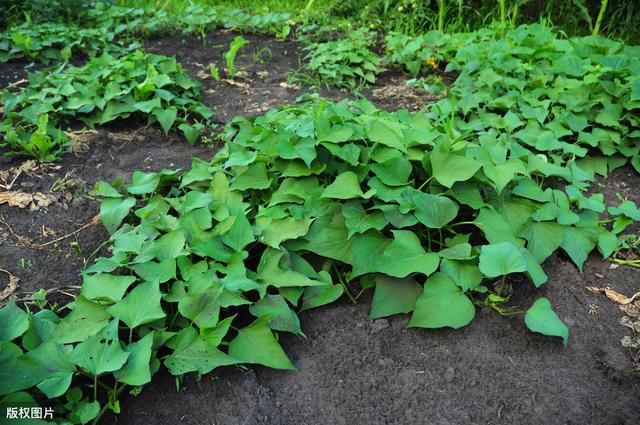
{"type": "Point", "coordinates": [543, 238]}
{"type": "Point", "coordinates": [18, 372]}
{"type": "Point", "coordinates": [466, 276]}
{"type": "Point", "coordinates": [169, 245]}
{"type": "Point", "coordinates": [137, 370]}
{"type": "Point", "coordinates": [345, 186]}
{"type": "Point", "coordinates": [197, 356]}
{"type": "Point", "coordinates": [273, 232]}
{"type": "Point", "coordinates": [13, 321]}
{"type": "Point", "coordinates": [105, 190]}
{"type": "Point", "coordinates": [380, 132]}
{"type": "Point", "coordinates": [442, 304]}
{"type": "Point", "coordinates": [495, 228]}
{"type": "Point", "coordinates": [434, 211]}
{"type": "Point", "coordinates": [607, 243]}
{"type": "Point", "coordinates": [213, 336]}
{"type": "Point", "coordinates": [190, 132]}
{"type": "Point", "coordinates": [457, 252]}
{"type": "Point", "coordinates": [140, 306]}
{"type": "Point", "coordinates": [41, 327]}
{"type": "Point", "coordinates": [303, 149]}
{"type": "Point", "coordinates": [541, 318]}
{"type": "Point", "coordinates": [143, 183]}
{"type": "Point", "coordinates": [86, 318]}
{"type": "Point", "coordinates": [272, 272]}
{"type": "Point", "coordinates": [87, 411]}
{"type": "Point", "coordinates": [255, 177]}
{"type": "Point", "coordinates": [405, 255]}
{"type": "Point", "coordinates": [394, 296]}
{"type": "Point", "coordinates": [393, 172]}
{"type": "Point", "coordinates": [501, 259]}
{"type": "Point", "coordinates": [55, 359]}
{"type": "Point", "coordinates": [358, 221]}
{"type": "Point", "coordinates": [202, 308]}
{"type": "Point", "coordinates": [166, 117]}
{"type": "Point", "coordinates": [113, 211]}
{"type": "Point", "coordinates": [100, 353]}
{"type": "Point", "coordinates": [449, 168]}
{"type": "Point", "coordinates": [627, 208]}
{"type": "Point", "coordinates": [281, 317]}
{"type": "Point", "coordinates": [578, 242]}
{"type": "Point", "coordinates": [534, 270]}
{"type": "Point", "coordinates": [367, 251]}
{"type": "Point", "coordinates": [501, 175]}
{"type": "Point", "coordinates": [256, 344]}
{"type": "Point", "coordinates": [240, 234]}
{"type": "Point", "coordinates": [105, 287]}
{"type": "Point", "coordinates": [328, 237]}
{"type": "Point", "coordinates": [151, 270]}
{"type": "Point", "coordinates": [317, 296]}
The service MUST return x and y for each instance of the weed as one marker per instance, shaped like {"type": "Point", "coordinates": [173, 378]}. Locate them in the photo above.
{"type": "Point", "coordinates": [25, 264]}
{"type": "Point", "coordinates": [263, 55]}
{"type": "Point", "coordinates": [41, 140]}
{"type": "Point", "coordinates": [213, 71]}
{"type": "Point", "coordinates": [230, 55]}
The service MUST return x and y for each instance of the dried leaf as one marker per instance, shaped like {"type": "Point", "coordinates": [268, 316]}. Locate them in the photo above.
{"type": "Point", "coordinates": [27, 166]}
{"type": "Point", "coordinates": [632, 310]}
{"type": "Point", "coordinates": [41, 200]}
{"type": "Point", "coordinates": [10, 289]}
{"type": "Point", "coordinates": [626, 321]}
{"type": "Point", "coordinates": [630, 342]}
{"type": "Point", "coordinates": [614, 295]}
{"type": "Point", "coordinates": [16, 199]}
{"type": "Point", "coordinates": [24, 200]}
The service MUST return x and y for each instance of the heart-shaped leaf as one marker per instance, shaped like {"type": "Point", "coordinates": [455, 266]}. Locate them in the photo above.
{"type": "Point", "coordinates": [541, 318]}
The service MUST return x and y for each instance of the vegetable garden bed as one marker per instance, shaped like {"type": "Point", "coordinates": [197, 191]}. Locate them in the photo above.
{"type": "Point", "coordinates": [351, 369]}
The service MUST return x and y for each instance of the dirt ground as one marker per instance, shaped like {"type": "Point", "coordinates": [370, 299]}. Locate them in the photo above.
{"type": "Point", "coordinates": [351, 370]}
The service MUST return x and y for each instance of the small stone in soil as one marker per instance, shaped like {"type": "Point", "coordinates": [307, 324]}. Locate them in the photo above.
{"type": "Point", "coordinates": [449, 374]}
{"type": "Point", "coordinates": [379, 325]}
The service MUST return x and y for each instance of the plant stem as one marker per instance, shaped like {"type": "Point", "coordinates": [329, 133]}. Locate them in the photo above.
{"type": "Point", "coordinates": [106, 406]}
{"type": "Point", "coordinates": [500, 288]}
{"type": "Point", "coordinates": [632, 263]}
{"type": "Point", "coordinates": [603, 8]}
{"type": "Point", "coordinates": [441, 13]}
{"type": "Point", "coordinates": [502, 14]}
{"type": "Point", "coordinates": [344, 285]}
{"type": "Point", "coordinates": [95, 387]}
{"type": "Point", "coordinates": [425, 182]}
{"type": "Point", "coordinates": [309, 5]}
{"type": "Point", "coordinates": [460, 223]}
{"type": "Point", "coordinates": [514, 15]}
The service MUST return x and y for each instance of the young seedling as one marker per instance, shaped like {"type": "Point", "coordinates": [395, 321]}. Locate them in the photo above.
{"type": "Point", "coordinates": [230, 55]}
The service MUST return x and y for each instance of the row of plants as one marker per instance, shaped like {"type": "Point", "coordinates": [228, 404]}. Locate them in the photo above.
{"type": "Point", "coordinates": [105, 89]}
{"type": "Point", "coordinates": [349, 62]}
{"type": "Point", "coordinates": [301, 206]}
{"type": "Point", "coordinates": [117, 29]}
{"type": "Point", "coordinates": [118, 81]}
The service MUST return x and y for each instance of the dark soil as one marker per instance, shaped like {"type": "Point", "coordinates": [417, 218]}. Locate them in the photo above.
{"type": "Point", "coordinates": [351, 370]}
{"type": "Point", "coordinates": [106, 155]}
{"type": "Point", "coordinates": [13, 71]}
{"type": "Point", "coordinates": [264, 81]}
